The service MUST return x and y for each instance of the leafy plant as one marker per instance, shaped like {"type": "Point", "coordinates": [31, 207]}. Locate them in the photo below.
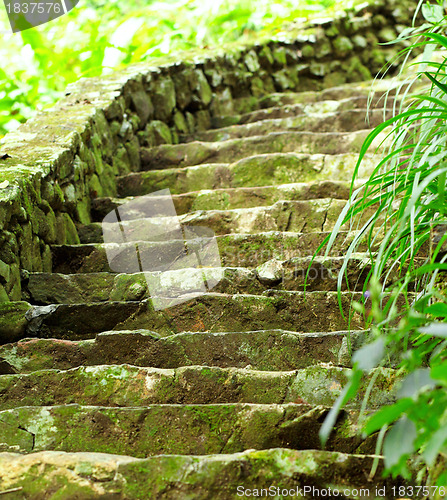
{"type": "Point", "coordinates": [405, 239]}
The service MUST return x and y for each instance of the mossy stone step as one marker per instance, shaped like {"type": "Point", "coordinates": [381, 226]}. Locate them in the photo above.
{"type": "Point", "coordinates": [128, 385]}
{"type": "Point", "coordinates": [236, 250]}
{"type": "Point", "coordinates": [294, 216]}
{"type": "Point", "coordinates": [176, 429]}
{"type": "Point", "coordinates": [265, 350]}
{"type": "Point", "coordinates": [57, 288]}
{"type": "Point", "coordinates": [98, 475]}
{"type": "Point", "coordinates": [232, 150]}
{"type": "Point", "coordinates": [12, 320]}
{"type": "Point", "coordinates": [323, 122]}
{"type": "Point", "coordinates": [310, 312]}
{"type": "Point", "coordinates": [373, 90]}
{"type": "Point", "coordinates": [229, 198]}
{"type": "Point", "coordinates": [270, 169]}
{"type": "Point", "coordinates": [287, 110]}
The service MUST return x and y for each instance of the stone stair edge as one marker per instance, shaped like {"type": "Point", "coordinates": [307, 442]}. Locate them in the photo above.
{"type": "Point", "coordinates": [124, 475]}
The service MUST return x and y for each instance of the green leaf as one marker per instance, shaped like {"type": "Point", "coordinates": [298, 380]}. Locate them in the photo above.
{"type": "Point", "coordinates": [416, 381]}
{"type": "Point", "coordinates": [433, 13]}
{"type": "Point", "coordinates": [436, 329]}
{"type": "Point", "coordinates": [399, 441]}
{"type": "Point", "coordinates": [387, 415]}
{"type": "Point", "coordinates": [348, 392]}
{"type": "Point", "coordinates": [436, 82]}
{"type": "Point", "coordinates": [439, 372]}
{"type": "Point", "coordinates": [441, 40]}
{"type": "Point", "coordinates": [370, 355]}
{"type": "Point", "coordinates": [438, 309]}
{"type": "Point", "coordinates": [437, 443]}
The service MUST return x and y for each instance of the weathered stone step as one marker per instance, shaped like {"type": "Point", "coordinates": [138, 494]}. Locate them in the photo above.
{"type": "Point", "coordinates": [236, 250]}
{"type": "Point", "coordinates": [127, 385]}
{"type": "Point", "coordinates": [232, 150]}
{"type": "Point", "coordinates": [325, 122]}
{"type": "Point", "coordinates": [229, 198]}
{"type": "Point", "coordinates": [303, 108]}
{"type": "Point", "coordinates": [262, 170]}
{"type": "Point", "coordinates": [175, 429]}
{"type": "Point", "coordinates": [306, 473]}
{"type": "Point", "coordinates": [310, 312]}
{"type": "Point", "coordinates": [294, 216]}
{"type": "Point", "coordinates": [265, 350]}
{"type": "Point", "coordinates": [348, 91]}
{"type": "Point", "coordinates": [56, 288]}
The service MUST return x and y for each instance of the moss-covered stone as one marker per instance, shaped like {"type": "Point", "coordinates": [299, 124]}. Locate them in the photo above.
{"type": "Point", "coordinates": [154, 430]}
{"type": "Point", "coordinates": [163, 98]}
{"type": "Point", "coordinates": [194, 153]}
{"type": "Point", "coordinates": [319, 311]}
{"type": "Point", "coordinates": [264, 350]}
{"type": "Point", "coordinates": [93, 475]}
{"type": "Point", "coordinates": [12, 320]}
{"type": "Point", "coordinates": [342, 46]}
{"type": "Point", "coordinates": [127, 385]}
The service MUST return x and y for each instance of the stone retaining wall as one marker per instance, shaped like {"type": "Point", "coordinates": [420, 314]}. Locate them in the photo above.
{"type": "Point", "coordinates": [58, 161]}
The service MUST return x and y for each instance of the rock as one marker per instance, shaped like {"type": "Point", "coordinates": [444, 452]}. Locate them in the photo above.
{"type": "Point", "coordinates": [343, 46]}
{"type": "Point", "coordinates": [100, 475]}
{"type": "Point", "coordinates": [12, 320]}
{"type": "Point", "coordinates": [270, 273]}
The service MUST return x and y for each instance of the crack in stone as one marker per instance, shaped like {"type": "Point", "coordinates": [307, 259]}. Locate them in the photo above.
{"type": "Point", "coordinates": [289, 385]}
{"type": "Point", "coordinates": [326, 214]}
{"type": "Point", "coordinates": [29, 432]}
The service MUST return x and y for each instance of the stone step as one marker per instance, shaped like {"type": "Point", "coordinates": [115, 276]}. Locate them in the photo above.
{"type": "Point", "coordinates": [310, 312]}
{"type": "Point", "coordinates": [265, 350]}
{"type": "Point", "coordinates": [57, 288]}
{"type": "Point", "coordinates": [176, 429]}
{"type": "Point", "coordinates": [294, 216]}
{"type": "Point", "coordinates": [229, 198]}
{"type": "Point", "coordinates": [340, 93]}
{"type": "Point", "coordinates": [220, 477]}
{"type": "Point", "coordinates": [194, 153]}
{"type": "Point", "coordinates": [317, 122]}
{"type": "Point", "coordinates": [359, 102]}
{"type": "Point", "coordinates": [256, 171]}
{"type": "Point", "coordinates": [236, 250]}
{"type": "Point", "coordinates": [125, 385]}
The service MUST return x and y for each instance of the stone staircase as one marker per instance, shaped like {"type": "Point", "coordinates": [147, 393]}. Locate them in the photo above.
{"type": "Point", "coordinates": [225, 393]}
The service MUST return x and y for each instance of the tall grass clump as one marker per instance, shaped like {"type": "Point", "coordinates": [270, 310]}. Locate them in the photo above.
{"type": "Point", "coordinates": [404, 292]}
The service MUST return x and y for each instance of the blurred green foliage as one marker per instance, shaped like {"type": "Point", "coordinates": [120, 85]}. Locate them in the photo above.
{"type": "Point", "coordinates": [95, 36]}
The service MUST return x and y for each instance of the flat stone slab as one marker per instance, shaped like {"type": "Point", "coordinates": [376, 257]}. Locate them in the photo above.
{"type": "Point", "coordinates": [57, 288]}
{"type": "Point", "coordinates": [224, 199]}
{"type": "Point", "coordinates": [310, 107]}
{"type": "Point", "coordinates": [324, 121]}
{"type": "Point", "coordinates": [294, 216]}
{"type": "Point", "coordinates": [196, 152]}
{"type": "Point", "coordinates": [342, 92]}
{"type": "Point", "coordinates": [235, 250]}
{"type": "Point", "coordinates": [310, 312]}
{"type": "Point", "coordinates": [175, 429]}
{"type": "Point", "coordinates": [271, 169]}
{"type": "Point", "coordinates": [99, 475]}
{"type": "Point", "coordinates": [127, 385]}
{"type": "Point", "coordinates": [266, 350]}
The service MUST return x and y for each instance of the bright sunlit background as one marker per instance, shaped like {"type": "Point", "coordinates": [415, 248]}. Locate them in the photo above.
{"type": "Point", "coordinates": [38, 63]}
